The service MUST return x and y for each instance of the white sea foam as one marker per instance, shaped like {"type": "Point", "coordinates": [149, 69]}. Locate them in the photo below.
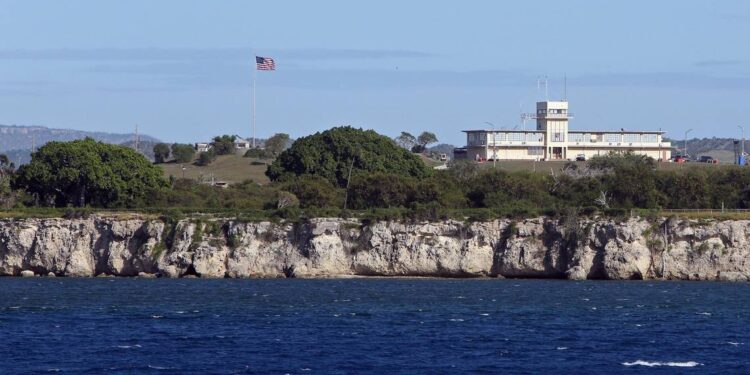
{"type": "Point", "coordinates": [159, 367]}
{"type": "Point", "coordinates": [157, 316]}
{"type": "Point", "coordinates": [484, 314]}
{"type": "Point", "coordinates": [457, 320]}
{"type": "Point", "coordinates": [128, 346]}
{"type": "Point", "coordinates": [641, 362]}
{"type": "Point", "coordinates": [704, 313]}
{"type": "Point", "coordinates": [735, 343]}
{"type": "Point", "coordinates": [562, 348]}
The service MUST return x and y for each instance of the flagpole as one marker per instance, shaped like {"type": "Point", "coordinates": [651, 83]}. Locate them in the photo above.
{"type": "Point", "coordinates": [255, 72]}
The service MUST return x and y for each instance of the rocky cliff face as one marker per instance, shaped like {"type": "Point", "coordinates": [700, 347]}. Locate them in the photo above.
{"type": "Point", "coordinates": [533, 248]}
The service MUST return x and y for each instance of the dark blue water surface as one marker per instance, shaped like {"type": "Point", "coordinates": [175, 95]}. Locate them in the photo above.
{"type": "Point", "coordinates": [371, 326]}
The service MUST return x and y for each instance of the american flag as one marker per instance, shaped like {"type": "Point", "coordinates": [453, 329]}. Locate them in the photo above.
{"type": "Point", "coordinates": [265, 63]}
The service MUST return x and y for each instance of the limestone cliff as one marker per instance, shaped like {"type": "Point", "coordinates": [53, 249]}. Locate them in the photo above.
{"type": "Point", "coordinates": [534, 248]}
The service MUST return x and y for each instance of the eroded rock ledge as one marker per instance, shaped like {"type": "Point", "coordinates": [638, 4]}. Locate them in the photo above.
{"type": "Point", "coordinates": [534, 248]}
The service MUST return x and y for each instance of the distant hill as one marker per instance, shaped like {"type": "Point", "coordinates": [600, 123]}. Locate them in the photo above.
{"type": "Point", "coordinates": [16, 141]}
{"type": "Point", "coordinates": [719, 148]}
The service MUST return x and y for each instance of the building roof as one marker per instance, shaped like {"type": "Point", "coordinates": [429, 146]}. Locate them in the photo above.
{"type": "Point", "coordinates": [570, 131]}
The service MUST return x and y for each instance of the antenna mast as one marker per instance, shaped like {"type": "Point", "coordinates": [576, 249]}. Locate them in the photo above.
{"type": "Point", "coordinates": [136, 138]}
{"type": "Point", "coordinates": [543, 81]}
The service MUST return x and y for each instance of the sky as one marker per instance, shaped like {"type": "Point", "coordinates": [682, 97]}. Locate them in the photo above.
{"type": "Point", "coordinates": [182, 70]}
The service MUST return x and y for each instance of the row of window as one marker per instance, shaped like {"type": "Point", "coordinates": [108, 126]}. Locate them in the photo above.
{"type": "Point", "coordinates": [518, 137]}
{"type": "Point", "coordinates": [559, 136]}
{"type": "Point", "coordinates": [613, 137]}
{"type": "Point", "coordinates": [552, 111]}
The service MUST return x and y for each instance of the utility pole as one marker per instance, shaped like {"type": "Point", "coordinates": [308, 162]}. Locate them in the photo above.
{"type": "Point", "coordinates": [742, 145]}
{"type": "Point", "coordinates": [494, 145]}
{"type": "Point", "coordinates": [686, 134]}
{"type": "Point", "coordinates": [136, 138]}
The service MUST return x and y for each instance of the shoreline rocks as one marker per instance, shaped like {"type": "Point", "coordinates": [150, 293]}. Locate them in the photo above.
{"type": "Point", "coordinates": [579, 249]}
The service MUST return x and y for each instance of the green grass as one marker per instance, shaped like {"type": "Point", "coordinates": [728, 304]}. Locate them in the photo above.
{"type": "Point", "coordinates": [229, 168]}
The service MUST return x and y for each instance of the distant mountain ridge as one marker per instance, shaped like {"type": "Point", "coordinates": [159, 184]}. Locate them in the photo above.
{"type": "Point", "coordinates": [17, 140]}
{"type": "Point", "coordinates": [18, 137]}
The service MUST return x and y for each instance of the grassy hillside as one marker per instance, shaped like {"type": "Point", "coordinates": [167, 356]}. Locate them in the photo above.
{"type": "Point", "coordinates": [230, 168]}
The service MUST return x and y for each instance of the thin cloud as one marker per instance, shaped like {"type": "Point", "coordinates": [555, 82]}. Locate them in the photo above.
{"type": "Point", "coordinates": [198, 54]}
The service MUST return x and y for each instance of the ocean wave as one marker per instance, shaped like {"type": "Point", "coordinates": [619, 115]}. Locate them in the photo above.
{"type": "Point", "coordinates": [159, 367]}
{"type": "Point", "coordinates": [641, 362]}
{"type": "Point", "coordinates": [128, 346]}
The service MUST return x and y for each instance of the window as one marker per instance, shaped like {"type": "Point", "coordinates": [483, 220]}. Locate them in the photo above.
{"type": "Point", "coordinates": [499, 137]}
{"type": "Point", "coordinates": [651, 138]}
{"type": "Point", "coordinates": [631, 138]}
{"type": "Point", "coordinates": [536, 150]}
{"type": "Point", "coordinates": [517, 137]}
{"type": "Point", "coordinates": [611, 137]}
{"type": "Point", "coordinates": [535, 137]}
{"type": "Point", "coordinates": [578, 137]}
{"type": "Point", "coordinates": [558, 137]}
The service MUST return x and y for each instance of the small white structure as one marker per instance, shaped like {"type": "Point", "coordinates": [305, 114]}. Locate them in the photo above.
{"type": "Point", "coordinates": [202, 147]}
{"type": "Point", "coordinates": [241, 145]}
{"type": "Point", "coordinates": [551, 140]}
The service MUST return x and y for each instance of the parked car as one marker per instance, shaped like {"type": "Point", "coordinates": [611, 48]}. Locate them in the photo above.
{"type": "Point", "coordinates": [681, 159]}
{"type": "Point", "coordinates": [707, 159]}
{"type": "Point", "coordinates": [580, 157]}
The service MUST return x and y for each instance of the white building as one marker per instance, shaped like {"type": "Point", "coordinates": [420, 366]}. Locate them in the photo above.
{"type": "Point", "coordinates": [241, 145]}
{"type": "Point", "coordinates": [552, 140]}
{"type": "Point", "coordinates": [202, 146]}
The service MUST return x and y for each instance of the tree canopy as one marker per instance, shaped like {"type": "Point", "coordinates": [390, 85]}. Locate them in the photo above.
{"type": "Point", "coordinates": [223, 145]}
{"type": "Point", "coordinates": [183, 153]}
{"type": "Point", "coordinates": [88, 172]}
{"type": "Point", "coordinates": [406, 140]}
{"type": "Point", "coordinates": [161, 152]}
{"type": "Point", "coordinates": [331, 153]}
{"type": "Point", "coordinates": [426, 138]}
{"type": "Point", "coordinates": [277, 143]}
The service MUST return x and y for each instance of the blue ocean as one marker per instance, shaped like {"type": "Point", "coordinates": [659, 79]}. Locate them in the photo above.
{"type": "Point", "coordinates": [371, 326]}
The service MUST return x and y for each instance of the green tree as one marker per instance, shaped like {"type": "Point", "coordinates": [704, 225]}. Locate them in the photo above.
{"type": "Point", "coordinates": [161, 152]}
{"type": "Point", "coordinates": [87, 172]}
{"type": "Point", "coordinates": [423, 140]}
{"type": "Point", "coordinates": [8, 197]}
{"type": "Point", "coordinates": [406, 140]}
{"type": "Point", "coordinates": [224, 144]}
{"type": "Point", "coordinates": [258, 153]}
{"type": "Point", "coordinates": [332, 153]}
{"type": "Point", "coordinates": [183, 153]}
{"type": "Point", "coordinates": [277, 143]}
{"type": "Point", "coordinates": [205, 158]}
{"type": "Point", "coordinates": [630, 179]}
{"type": "Point", "coordinates": [313, 191]}
{"type": "Point", "coordinates": [384, 190]}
